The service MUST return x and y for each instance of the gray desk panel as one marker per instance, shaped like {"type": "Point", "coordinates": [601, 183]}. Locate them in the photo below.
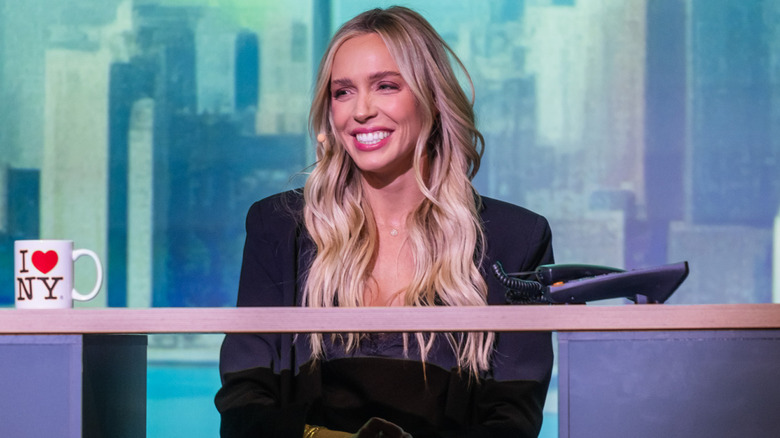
{"type": "Point", "coordinates": [72, 386]}
{"type": "Point", "coordinates": [669, 384]}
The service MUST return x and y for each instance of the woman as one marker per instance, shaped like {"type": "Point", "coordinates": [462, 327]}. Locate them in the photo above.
{"type": "Point", "coordinates": [388, 217]}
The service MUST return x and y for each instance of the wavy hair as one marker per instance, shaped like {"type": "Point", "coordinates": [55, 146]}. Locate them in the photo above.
{"type": "Point", "coordinates": [445, 231]}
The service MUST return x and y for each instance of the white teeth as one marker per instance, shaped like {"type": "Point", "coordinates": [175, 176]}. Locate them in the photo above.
{"type": "Point", "coordinates": [372, 137]}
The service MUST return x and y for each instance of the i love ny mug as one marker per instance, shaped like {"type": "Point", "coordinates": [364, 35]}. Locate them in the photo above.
{"type": "Point", "coordinates": [43, 274]}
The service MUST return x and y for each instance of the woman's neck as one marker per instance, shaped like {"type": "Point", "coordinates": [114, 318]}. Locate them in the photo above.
{"type": "Point", "coordinates": [392, 203]}
{"type": "Point", "coordinates": [393, 197]}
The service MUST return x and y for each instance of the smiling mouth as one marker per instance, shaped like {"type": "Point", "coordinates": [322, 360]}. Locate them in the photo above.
{"type": "Point", "coordinates": [370, 138]}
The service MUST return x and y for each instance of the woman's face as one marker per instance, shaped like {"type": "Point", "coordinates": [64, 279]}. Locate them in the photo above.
{"type": "Point", "coordinates": [374, 112]}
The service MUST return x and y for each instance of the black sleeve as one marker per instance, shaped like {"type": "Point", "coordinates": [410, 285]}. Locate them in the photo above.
{"type": "Point", "coordinates": [254, 367]}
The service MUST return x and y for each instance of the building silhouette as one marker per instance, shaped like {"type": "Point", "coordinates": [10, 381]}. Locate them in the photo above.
{"type": "Point", "coordinates": [735, 150]}
{"type": "Point", "coordinates": [184, 179]}
{"type": "Point", "coordinates": [665, 159]}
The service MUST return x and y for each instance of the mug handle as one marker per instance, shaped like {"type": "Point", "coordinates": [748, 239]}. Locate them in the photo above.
{"type": "Point", "coordinates": [85, 252]}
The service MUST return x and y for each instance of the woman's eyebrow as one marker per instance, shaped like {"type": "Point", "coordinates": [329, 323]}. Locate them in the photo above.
{"type": "Point", "coordinates": [341, 82]}
{"type": "Point", "coordinates": [346, 82]}
{"type": "Point", "coordinates": [383, 74]}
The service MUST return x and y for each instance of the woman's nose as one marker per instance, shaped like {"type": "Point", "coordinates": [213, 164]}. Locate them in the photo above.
{"type": "Point", "coordinates": [364, 108]}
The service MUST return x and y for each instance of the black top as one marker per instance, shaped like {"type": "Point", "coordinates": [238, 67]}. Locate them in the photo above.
{"type": "Point", "coordinates": [270, 388]}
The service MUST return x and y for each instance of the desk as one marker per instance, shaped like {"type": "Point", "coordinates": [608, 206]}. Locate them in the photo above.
{"type": "Point", "coordinates": [598, 324]}
{"type": "Point", "coordinates": [560, 318]}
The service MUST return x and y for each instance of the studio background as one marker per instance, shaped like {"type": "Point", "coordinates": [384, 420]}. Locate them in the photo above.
{"type": "Point", "coordinates": [646, 131]}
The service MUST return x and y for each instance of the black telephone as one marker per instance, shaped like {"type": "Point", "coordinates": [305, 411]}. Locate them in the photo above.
{"type": "Point", "coordinates": [579, 283]}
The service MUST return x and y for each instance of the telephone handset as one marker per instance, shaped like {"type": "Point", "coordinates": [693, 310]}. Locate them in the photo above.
{"type": "Point", "coordinates": [552, 274]}
{"type": "Point", "coordinates": [580, 283]}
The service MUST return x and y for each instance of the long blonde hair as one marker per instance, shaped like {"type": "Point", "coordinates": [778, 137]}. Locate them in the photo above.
{"type": "Point", "coordinates": [445, 231]}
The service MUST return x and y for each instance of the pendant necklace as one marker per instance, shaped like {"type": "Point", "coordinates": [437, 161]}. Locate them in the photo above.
{"type": "Point", "coordinates": [394, 230]}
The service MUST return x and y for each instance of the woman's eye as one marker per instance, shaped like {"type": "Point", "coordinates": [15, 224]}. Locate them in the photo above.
{"type": "Point", "coordinates": [339, 93]}
{"type": "Point", "coordinates": [387, 86]}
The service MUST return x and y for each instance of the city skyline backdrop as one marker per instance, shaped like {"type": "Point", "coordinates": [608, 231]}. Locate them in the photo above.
{"type": "Point", "coordinates": [646, 131]}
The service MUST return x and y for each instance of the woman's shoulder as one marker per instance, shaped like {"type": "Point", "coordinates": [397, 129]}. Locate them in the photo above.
{"type": "Point", "coordinates": [290, 199]}
{"type": "Point", "coordinates": [277, 212]}
{"type": "Point", "coordinates": [515, 236]}
{"type": "Point", "coordinates": [496, 212]}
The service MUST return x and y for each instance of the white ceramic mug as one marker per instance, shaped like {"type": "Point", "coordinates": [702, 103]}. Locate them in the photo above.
{"type": "Point", "coordinates": [43, 274]}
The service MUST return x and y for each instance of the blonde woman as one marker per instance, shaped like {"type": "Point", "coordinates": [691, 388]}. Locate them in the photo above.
{"type": "Point", "coordinates": [388, 217]}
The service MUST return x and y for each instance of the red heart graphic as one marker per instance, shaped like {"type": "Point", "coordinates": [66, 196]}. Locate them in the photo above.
{"type": "Point", "coordinates": [45, 261]}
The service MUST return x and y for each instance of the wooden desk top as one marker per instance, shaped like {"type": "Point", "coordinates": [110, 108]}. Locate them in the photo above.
{"type": "Point", "coordinates": [391, 319]}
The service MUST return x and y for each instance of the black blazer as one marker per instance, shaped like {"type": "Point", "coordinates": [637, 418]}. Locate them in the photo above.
{"type": "Point", "coordinates": [271, 389]}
